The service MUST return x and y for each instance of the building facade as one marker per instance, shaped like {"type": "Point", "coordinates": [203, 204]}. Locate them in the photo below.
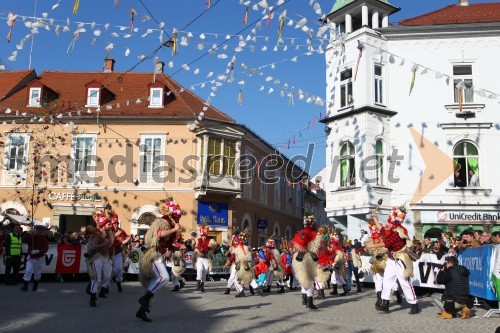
{"type": "Point", "coordinates": [76, 141]}
{"type": "Point", "coordinates": [413, 116]}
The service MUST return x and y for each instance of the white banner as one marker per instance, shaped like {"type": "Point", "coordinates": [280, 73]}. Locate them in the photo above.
{"type": "Point", "coordinates": [424, 270]}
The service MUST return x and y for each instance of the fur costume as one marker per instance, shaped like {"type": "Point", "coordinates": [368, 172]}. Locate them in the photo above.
{"type": "Point", "coordinates": [178, 258]}
{"type": "Point", "coordinates": [278, 271]}
{"type": "Point", "coordinates": [243, 259]}
{"type": "Point", "coordinates": [339, 263]}
{"type": "Point", "coordinates": [379, 258]}
{"type": "Point", "coordinates": [210, 255]}
{"type": "Point", "coordinates": [402, 254]}
{"type": "Point", "coordinates": [305, 270]}
{"type": "Point", "coordinates": [152, 243]}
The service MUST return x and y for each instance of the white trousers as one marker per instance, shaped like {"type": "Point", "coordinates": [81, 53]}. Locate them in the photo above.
{"type": "Point", "coordinates": [160, 273]}
{"type": "Point", "coordinates": [97, 267]}
{"type": "Point", "coordinates": [107, 269]}
{"type": "Point", "coordinates": [318, 285]}
{"type": "Point", "coordinates": [308, 291]}
{"type": "Point", "coordinates": [377, 278]}
{"type": "Point", "coordinates": [118, 267]}
{"type": "Point", "coordinates": [33, 266]}
{"type": "Point", "coordinates": [232, 277]}
{"type": "Point", "coordinates": [394, 272]}
{"type": "Point", "coordinates": [337, 279]}
{"type": "Point", "coordinates": [201, 269]}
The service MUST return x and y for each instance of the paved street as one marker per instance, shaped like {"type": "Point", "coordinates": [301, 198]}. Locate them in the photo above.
{"type": "Point", "coordinates": [63, 307]}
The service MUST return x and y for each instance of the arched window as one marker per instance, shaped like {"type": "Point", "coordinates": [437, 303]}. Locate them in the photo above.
{"type": "Point", "coordinates": [287, 234]}
{"type": "Point", "coordinates": [147, 218]}
{"type": "Point", "coordinates": [380, 156]}
{"type": "Point", "coordinates": [466, 164]}
{"type": "Point", "coordinates": [276, 231]}
{"type": "Point", "coordinates": [246, 224]}
{"type": "Point", "coordinates": [347, 165]}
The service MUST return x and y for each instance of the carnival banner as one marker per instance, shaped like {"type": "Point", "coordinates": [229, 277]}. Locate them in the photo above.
{"type": "Point", "coordinates": [479, 261]}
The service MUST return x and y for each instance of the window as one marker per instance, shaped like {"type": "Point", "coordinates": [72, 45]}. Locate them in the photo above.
{"type": "Point", "coordinates": [147, 218]}
{"type": "Point", "coordinates": [93, 97]}
{"type": "Point", "coordinates": [463, 73]}
{"type": "Point", "coordinates": [346, 88]}
{"type": "Point", "coordinates": [466, 164]}
{"type": "Point", "coordinates": [379, 85]}
{"type": "Point", "coordinates": [221, 156]}
{"type": "Point", "coordinates": [83, 157]}
{"type": "Point", "coordinates": [347, 166]}
{"type": "Point", "coordinates": [35, 97]}
{"type": "Point", "coordinates": [156, 97]}
{"type": "Point", "coordinates": [379, 153]}
{"type": "Point", "coordinates": [15, 154]}
{"type": "Point", "coordinates": [151, 150]}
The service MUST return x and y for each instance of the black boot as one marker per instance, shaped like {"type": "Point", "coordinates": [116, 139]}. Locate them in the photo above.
{"type": "Point", "coordinates": [25, 286]}
{"type": "Point", "coordinates": [327, 284]}
{"type": "Point", "coordinates": [93, 299]}
{"type": "Point", "coordinates": [87, 289]}
{"type": "Point", "coordinates": [198, 285]}
{"type": "Point", "coordinates": [35, 286]}
{"type": "Point", "coordinates": [314, 257]}
{"type": "Point", "coordinates": [344, 288]}
{"type": "Point", "coordinates": [106, 290]}
{"type": "Point", "coordinates": [304, 299]}
{"type": "Point", "coordinates": [379, 299]}
{"type": "Point", "coordinates": [176, 288]}
{"type": "Point", "coordinates": [251, 290]}
{"type": "Point", "coordinates": [181, 283]}
{"type": "Point", "coordinates": [300, 256]}
{"type": "Point", "coordinates": [310, 303]}
{"type": "Point", "coordinates": [268, 289]}
{"type": "Point", "coordinates": [384, 306]}
{"type": "Point", "coordinates": [414, 309]}
{"type": "Point", "coordinates": [281, 289]}
{"type": "Point", "coordinates": [144, 301]}
{"type": "Point", "coordinates": [240, 294]}
{"type": "Point", "coordinates": [102, 293]}
{"type": "Point", "coordinates": [119, 285]}
{"type": "Point", "coordinates": [321, 294]}
{"type": "Point", "coordinates": [141, 314]}
{"type": "Point", "coordinates": [399, 299]}
{"type": "Point", "coordinates": [334, 290]}
{"type": "Point", "coordinates": [228, 290]}
{"type": "Point", "coordinates": [202, 287]}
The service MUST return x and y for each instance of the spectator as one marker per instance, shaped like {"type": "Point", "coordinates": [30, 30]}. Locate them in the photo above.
{"type": "Point", "coordinates": [190, 242]}
{"type": "Point", "coordinates": [495, 236]}
{"type": "Point", "coordinates": [456, 296]}
{"type": "Point", "coordinates": [485, 239]}
{"type": "Point", "coordinates": [417, 248]}
{"type": "Point", "coordinates": [440, 249]}
{"type": "Point", "coordinates": [74, 239]}
{"type": "Point", "coordinates": [477, 235]}
{"type": "Point", "coordinates": [473, 181]}
{"type": "Point", "coordinates": [458, 180]}
{"type": "Point", "coordinates": [427, 246]}
{"type": "Point", "coordinates": [468, 240]}
{"type": "Point", "coordinates": [13, 253]}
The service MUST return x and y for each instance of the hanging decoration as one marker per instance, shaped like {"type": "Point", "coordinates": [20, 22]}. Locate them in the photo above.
{"type": "Point", "coordinates": [72, 43]}
{"type": "Point", "coordinates": [11, 19]}
{"type": "Point", "coordinates": [75, 6]}
{"type": "Point", "coordinates": [280, 27]}
{"type": "Point", "coordinates": [461, 88]}
{"type": "Point", "coordinates": [269, 17]}
{"type": "Point", "coordinates": [413, 75]}
{"type": "Point", "coordinates": [133, 12]}
{"type": "Point", "coordinates": [291, 101]}
{"type": "Point", "coordinates": [231, 69]}
{"type": "Point", "coordinates": [245, 16]}
{"type": "Point", "coordinates": [360, 48]}
{"type": "Point", "coordinates": [240, 94]}
{"type": "Point", "coordinates": [207, 4]}
{"type": "Point", "coordinates": [175, 46]}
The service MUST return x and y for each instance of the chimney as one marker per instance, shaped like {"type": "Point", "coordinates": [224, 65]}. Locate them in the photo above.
{"type": "Point", "coordinates": [109, 65]}
{"type": "Point", "coordinates": [464, 2]}
{"type": "Point", "coordinates": [159, 67]}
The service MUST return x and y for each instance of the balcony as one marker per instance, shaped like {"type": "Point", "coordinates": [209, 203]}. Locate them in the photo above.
{"type": "Point", "coordinates": [221, 184]}
{"type": "Point", "coordinates": [468, 110]}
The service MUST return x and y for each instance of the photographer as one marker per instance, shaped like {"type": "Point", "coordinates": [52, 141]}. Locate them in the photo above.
{"type": "Point", "coordinates": [456, 295]}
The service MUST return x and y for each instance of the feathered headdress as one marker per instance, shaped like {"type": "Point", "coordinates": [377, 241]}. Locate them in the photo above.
{"type": "Point", "coordinates": [171, 208]}
{"type": "Point", "coordinates": [397, 214]}
{"type": "Point", "coordinates": [204, 229]}
{"type": "Point", "coordinates": [271, 242]}
{"type": "Point", "coordinates": [244, 235]}
{"type": "Point", "coordinates": [309, 220]}
{"type": "Point", "coordinates": [100, 218]}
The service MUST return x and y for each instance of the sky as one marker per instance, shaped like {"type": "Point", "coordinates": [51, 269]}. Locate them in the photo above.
{"type": "Point", "coordinates": [276, 86]}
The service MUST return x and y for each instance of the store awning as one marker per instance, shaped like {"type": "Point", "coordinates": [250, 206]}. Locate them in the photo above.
{"type": "Point", "coordinates": [22, 220]}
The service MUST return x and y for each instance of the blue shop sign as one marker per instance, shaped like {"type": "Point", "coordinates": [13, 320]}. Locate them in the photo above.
{"type": "Point", "coordinates": [213, 213]}
{"type": "Point", "coordinates": [261, 224]}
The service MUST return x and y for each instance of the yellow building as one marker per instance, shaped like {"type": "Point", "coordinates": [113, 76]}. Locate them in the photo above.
{"type": "Point", "coordinates": [75, 141]}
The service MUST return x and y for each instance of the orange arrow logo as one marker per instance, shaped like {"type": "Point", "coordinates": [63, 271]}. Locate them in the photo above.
{"type": "Point", "coordinates": [438, 167]}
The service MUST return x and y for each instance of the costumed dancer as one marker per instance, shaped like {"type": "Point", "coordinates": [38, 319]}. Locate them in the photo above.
{"type": "Point", "coordinates": [273, 260]}
{"type": "Point", "coordinates": [261, 269]}
{"type": "Point", "coordinates": [158, 241]}
{"type": "Point", "coordinates": [305, 244]}
{"type": "Point", "coordinates": [323, 267]}
{"type": "Point", "coordinates": [119, 247]}
{"type": "Point", "coordinates": [230, 261]}
{"type": "Point", "coordinates": [178, 263]}
{"type": "Point", "coordinates": [97, 256]}
{"type": "Point", "coordinates": [245, 275]}
{"type": "Point", "coordinates": [107, 268]}
{"type": "Point", "coordinates": [38, 245]}
{"type": "Point", "coordinates": [339, 274]}
{"type": "Point", "coordinates": [286, 263]}
{"type": "Point", "coordinates": [399, 266]}
{"type": "Point", "coordinates": [203, 253]}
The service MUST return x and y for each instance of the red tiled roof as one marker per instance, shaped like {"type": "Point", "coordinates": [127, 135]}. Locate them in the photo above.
{"type": "Point", "coordinates": [9, 81]}
{"type": "Point", "coordinates": [457, 14]}
{"type": "Point", "coordinates": [126, 89]}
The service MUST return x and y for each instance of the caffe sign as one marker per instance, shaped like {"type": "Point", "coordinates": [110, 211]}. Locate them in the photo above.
{"type": "Point", "coordinates": [69, 196]}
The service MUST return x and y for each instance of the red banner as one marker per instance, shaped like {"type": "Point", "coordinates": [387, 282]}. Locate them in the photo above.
{"type": "Point", "coordinates": [68, 258]}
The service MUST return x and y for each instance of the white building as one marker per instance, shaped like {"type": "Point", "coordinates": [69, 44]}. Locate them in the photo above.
{"type": "Point", "coordinates": [386, 141]}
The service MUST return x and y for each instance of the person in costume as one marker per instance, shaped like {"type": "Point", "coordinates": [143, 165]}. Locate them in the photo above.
{"type": "Point", "coordinates": [245, 275]}
{"type": "Point", "coordinates": [323, 267]}
{"type": "Point", "coordinates": [158, 241]}
{"type": "Point", "coordinates": [177, 262]}
{"type": "Point", "coordinates": [273, 260]}
{"type": "Point", "coordinates": [38, 245]}
{"type": "Point", "coordinates": [261, 270]}
{"type": "Point", "coordinates": [339, 274]}
{"type": "Point", "coordinates": [202, 256]}
{"type": "Point", "coordinates": [121, 239]}
{"type": "Point", "coordinates": [107, 268]}
{"type": "Point", "coordinates": [306, 243]}
{"type": "Point", "coordinates": [286, 263]}
{"type": "Point", "coordinates": [99, 244]}
{"type": "Point", "coordinates": [230, 261]}
{"type": "Point", "coordinates": [399, 266]}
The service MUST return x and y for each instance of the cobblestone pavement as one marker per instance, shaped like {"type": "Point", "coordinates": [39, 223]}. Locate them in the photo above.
{"type": "Point", "coordinates": [64, 307]}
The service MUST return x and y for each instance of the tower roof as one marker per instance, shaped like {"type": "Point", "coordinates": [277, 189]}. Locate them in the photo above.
{"type": "Point", "coordinates": [339, 4]}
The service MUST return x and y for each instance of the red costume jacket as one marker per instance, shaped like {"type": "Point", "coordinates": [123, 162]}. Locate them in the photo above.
{"type": "Point", "coordinates": [202, 245]}
{"type": "Point", "coordinates": [40, 243]}
{"type": "Point", "coordinates": [392, 241]}
{"type": "Point", "coordinates": [260, 268]}
{"type": "Point", "coordinates": [302, 238]}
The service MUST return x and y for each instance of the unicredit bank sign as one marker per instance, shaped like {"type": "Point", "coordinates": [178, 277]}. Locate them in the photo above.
{"type": "Point", "coordinates": [467, 216]}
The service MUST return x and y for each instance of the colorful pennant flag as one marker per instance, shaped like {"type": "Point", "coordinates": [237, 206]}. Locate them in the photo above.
{"type": "Point", "coordinates": [240, 95]}
{"type": "Point", "coordinates": [269, 17]}
{"type": "Point", "coordinates": [360, 48]}
{"type": "Point", "coordinates": [71, 45]}
{"type": "Point", "coordinates": [461, 88]}
{"type": "Point", "coordinates": [132, 16]}
{"type": "Point", "coordinates": [75, 6]}
{"type": "Point", "coordinates": [280, 28]}
{"type": "Point", "coordinates": [10, 21]}
{"type": "Point", "coordinates": [413, 74]}
{"type": "Point", "coordinates": [291, 101]}
{"type": "Point", "coordinates": [207, 4]}
{"type": "Point", "coordinates": [245, 16]}
{"type": "Point", "coordinates": [176, 44]}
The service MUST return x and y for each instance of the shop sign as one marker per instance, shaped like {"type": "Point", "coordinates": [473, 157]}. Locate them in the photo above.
{"type": "Point", "coordinates": [69, 196]}
{"type": "Point", "coordinates": [213, 213]}
{"type": "Point", "coordinates": [450, 216]}
{"type": "Point", "coordinates": [261, 224]}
